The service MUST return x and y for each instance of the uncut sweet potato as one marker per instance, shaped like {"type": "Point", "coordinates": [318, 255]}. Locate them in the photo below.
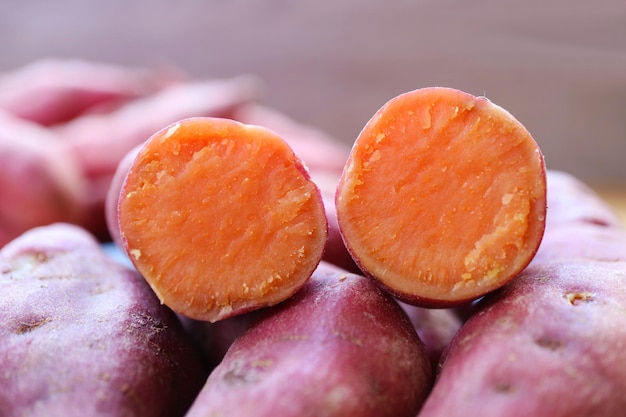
{"type": "Point", "coordinates": [339, 347]}
{"type": "Point", "coordinates": [579, 223]}
{"type": "Point", "coordinates": [571, 201]}
{"type": "Point", "coordinates": [40, 183]}
{"type": "Point", "coordinates": [53, 91]}
{"type": "Point", "coordinates": [81, 335]}
{"type": "Point", "coordinates": [550, 343]}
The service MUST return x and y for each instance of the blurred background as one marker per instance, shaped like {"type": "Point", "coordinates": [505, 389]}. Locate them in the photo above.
{"type": "Point", "coordinates": [559, 66]}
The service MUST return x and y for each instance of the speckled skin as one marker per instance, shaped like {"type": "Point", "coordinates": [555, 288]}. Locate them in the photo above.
{"type": "Point", "coordinates": [339, 347]}
{"type": "Point", "coordinates": [81, 335]}
{"type": "Point", "coordinates": [550, 344]}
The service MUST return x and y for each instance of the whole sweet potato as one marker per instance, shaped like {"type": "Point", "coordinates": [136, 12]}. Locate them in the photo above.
{"type": "Point", "coordinates": [53, 91]}
{"type": "Point", "coordinates": [81, 335]}
{"type": "Point", "coordinates": [550, 344]}
{"type": "Point", "coordinates": [579, 224]}
{"type": "Point", "coordinates": [571, 201]}
{"type": "Point", "coordinates": [339, 347]}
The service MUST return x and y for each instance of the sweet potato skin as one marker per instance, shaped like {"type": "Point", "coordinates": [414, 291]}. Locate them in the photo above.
{"type": "Point", "coordinates": [54, 91]}
{"type": "Point", "coordinates": [571, 201]}
{"type": "Point", "coordinates": [579, 224]}
{"type": "Point", "coordinates": [551, 343]}
{"type": "Point", "coordinates": [82, 335]}
{"type": "Point", "coordinates": [339, 347]}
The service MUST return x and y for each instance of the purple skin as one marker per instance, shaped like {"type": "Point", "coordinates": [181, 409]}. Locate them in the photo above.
{"type": "Point", "coordinates": [82, 335]}
{"type": "Point", "coordinates": [579, 224]}
{"type": "Point", "coordinates": [572, 201]}
{"type": "Point", "coordinates": [549, 344]}
{"type": "Point", "coordinates": [582, 241]}
{"type": "Point", "coordinates": [339, 347]}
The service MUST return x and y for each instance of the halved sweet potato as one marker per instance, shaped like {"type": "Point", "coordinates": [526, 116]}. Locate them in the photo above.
{"type": "Point", "coordinates": [221, 218]}
{"type": "Point", "coordinates": [443, 197]}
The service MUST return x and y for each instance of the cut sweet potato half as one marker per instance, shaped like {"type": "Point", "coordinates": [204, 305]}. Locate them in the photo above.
{"type": "Point", "coordinates": [443, 197]}
{"type": "Point", "coordinates": [221, 218]}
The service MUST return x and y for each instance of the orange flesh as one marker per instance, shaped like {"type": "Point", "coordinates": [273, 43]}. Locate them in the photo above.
{"type": "Point", "coordinates": [221, 218]}
{"type": "Point", "coordinates": [443, 197]}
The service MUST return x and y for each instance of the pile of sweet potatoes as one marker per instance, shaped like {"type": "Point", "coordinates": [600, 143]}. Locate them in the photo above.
{"type": "Point", "coordinates": [505, 296]}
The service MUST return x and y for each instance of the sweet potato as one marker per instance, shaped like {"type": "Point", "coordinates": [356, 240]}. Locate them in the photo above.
{"type": "Point", "coordinates": [579, 223]}
{"type": "Point", "coordinates": [212, 340]}
{"type": "Point", "coordinates": [339, 347]}
{"type": "Point", "coordinates": [551, 342]}
{"type": "Point", "coordinates": [53, 91]}
{"type": "Point", "coordinates": [335, 252]}
{"type": "Point", "coordinates": [443, 197]}
{"type": "Point", "coordinates": [220, 218]}
{"type": "Point", "coordinates": [571, 201]}
{"type": "Point", "coordinates": [81, 335]}
{"type": "Point", "coordinates": [39, 182]}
